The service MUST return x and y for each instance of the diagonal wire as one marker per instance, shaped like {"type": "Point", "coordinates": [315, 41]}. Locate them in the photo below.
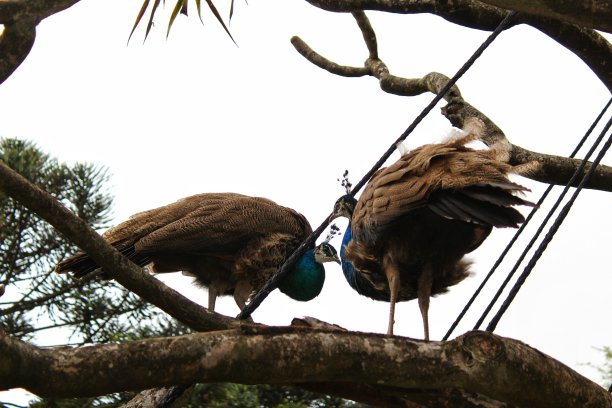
{"type": "Point", "coordinates": [274, 281]}
{"type": "Point", "coordinates": [540, 228]}
{"type": "Point", "coordinates": [522, 227]}
{"type": "Point", "coordinates": [554, 227]}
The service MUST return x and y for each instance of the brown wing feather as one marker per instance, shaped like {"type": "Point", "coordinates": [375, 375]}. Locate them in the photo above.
{"type": "Point", "coordinates": [145, 222]}
{"type": "Point", "coordinates": [214, 223]}
{"type": "Point", "coordinates": [409, 183]}
{"type": "Point", "coordinates": [224, 225]}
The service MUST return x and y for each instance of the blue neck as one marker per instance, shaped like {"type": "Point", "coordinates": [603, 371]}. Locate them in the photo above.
{"type": "Point", "coordinates": [305, 280]}
{"type": "Point", "coordinates": [347, 268]}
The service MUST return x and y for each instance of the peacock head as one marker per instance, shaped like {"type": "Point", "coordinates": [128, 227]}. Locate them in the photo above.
{"type": "Point", "coordinates": [308, 276]}
{"type": "Point", "coordinates": [325, 252]}
{"type": "Point", "coordinates": [344, 207]}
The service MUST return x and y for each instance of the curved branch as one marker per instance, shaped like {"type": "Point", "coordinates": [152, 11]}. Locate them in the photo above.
{"type": "Point", "coordinates": [407, 368]}
{"type": "Point", "coordinates": [549, 168]}
{"type": "Point", "coordinates": [20, 18]}
{"type": "Point", "coordinates": [369, 36]}
{"type": "Point", "coordinates": [120, 268]}
{"type": "Point", "coordinates": [34, 10]}
{"type": "Point", "coordinates": [15, 44]}
{"type": "Point", "coordinates": [324, 63]}
{"type": "Point", "coordinates": [586, 43]}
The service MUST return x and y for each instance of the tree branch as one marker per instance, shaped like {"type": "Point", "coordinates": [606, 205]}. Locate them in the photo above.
{"type": "Point", "coordinates": [35, 10]}
{"type": "Point", "coordinates": [15, 44]}
{"type": "Point", "coordinates": [410, 369]}
{"type": "Point", "coordinates": [545, 168]}
{"type": "Point", "coordinates": [586, 43]}
{"type": "Point", "coordinates": [120, 268]}
{"type": "Point", "coordinates": [592, 14]}
{"type": "Point", "coordinates": [20, 18]}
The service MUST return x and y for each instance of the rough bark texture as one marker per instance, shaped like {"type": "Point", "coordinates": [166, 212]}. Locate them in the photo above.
{"type": "Point", "coordinates": [595, 14]}
{"type": "Point", "coordinates": [20, 18]}
{"type": "Point", "coordinates": [413, 368]}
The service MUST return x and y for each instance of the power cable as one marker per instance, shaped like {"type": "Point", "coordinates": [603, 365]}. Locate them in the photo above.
{"type": "Point", "coordinates": [274, 281]}
{"type": "Point", "coordinates": [555, 226]}
{"type": "Point", "coordinates": [522, 227]}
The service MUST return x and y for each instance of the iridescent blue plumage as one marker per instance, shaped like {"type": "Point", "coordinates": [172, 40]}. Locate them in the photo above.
{"type": "Point", "coordinates": [347, 268]}
{"type": "Point", "coordinates": [306, 280]}
{"type": "Point", "coordinates": [357, 279]}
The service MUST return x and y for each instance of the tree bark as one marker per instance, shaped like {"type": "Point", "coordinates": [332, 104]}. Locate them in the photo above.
{"type": "Point", "coordinates": [20, 18]}
{"type": "Point", "coordinates": [545, 168]}
{"type": "Point", "coordinates": [595, 14]}
{"type": "Point", "coordinates": [481, 364]}
{"type": "Point", "coordinates": [587, 44]}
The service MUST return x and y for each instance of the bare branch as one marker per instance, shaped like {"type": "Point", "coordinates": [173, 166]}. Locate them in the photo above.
{"type": "Point", "coordinates": [15, 44]}
{"type": "Point", "coordinates": [586, 43]}
{"type": "Point", "coordinates": [119, 267]}
{"type": "Point", "coordinates": [324, 63]}
{"type": "Point", "coordinates": [406, 368]}
{"type": "Point", "coordinates": [369, 36]}
{"type": "Point", "coordinates": [592, 14]}
{"type": "Point", "coordinates": [550, 169]}
{"type": "Point", "coordinates": [34, 10]}
{"type": "Point", "coordinates": [20, 18]}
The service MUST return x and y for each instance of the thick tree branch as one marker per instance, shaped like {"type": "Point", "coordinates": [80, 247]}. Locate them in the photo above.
{"type": "Point", "coordinates": [292, 356]}
{"type": "Point", "coordinates": [120, 268]}
{"type": "Point", "coordinates": [35, 10]}
{"type": "Point", "coordinates": [20, 18]}
{"type": "Point", "coordinates": [595, 14]}
{"type": "Point", "coordinates": [549, 168]}
{"type": "Point", "coordinates": [15, 44]}
{"type": "Point", "coordinates": [586, 43]}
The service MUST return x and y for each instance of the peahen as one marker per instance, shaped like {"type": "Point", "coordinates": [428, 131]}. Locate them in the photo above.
{"type": "Point", "coordinates": [417, 218]}
{"type": "Point", "coordinates": [230, 243]}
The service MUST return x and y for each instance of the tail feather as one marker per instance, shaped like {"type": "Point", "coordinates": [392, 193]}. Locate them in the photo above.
{"type": "Point", "coordinates": [80, 264]}
{"type": "Point", "coordinates": [485, 204]}
{"type": "Point", "coordinates": [498, 193]}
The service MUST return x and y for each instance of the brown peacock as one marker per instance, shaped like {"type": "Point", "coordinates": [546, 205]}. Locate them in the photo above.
{"type": "Point", "coordinates": [230, 243]}
{"type": "Point", "coordinates": [416, 219]}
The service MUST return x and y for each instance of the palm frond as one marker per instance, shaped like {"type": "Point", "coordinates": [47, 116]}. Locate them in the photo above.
{"type": "Point", "coordinates": [180, 6]}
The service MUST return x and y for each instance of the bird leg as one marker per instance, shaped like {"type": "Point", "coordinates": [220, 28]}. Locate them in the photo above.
{"type": "Point", "coordinates": [393, 278]}
{"type": "Point", "coordinates": [212, 298]}
{"type": "Point", "coordinates": [242, 292]}
{"type": "Point", "coordinates": [424, 293]}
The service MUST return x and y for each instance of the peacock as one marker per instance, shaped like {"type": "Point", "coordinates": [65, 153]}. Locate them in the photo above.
{"type": "Point", "coordinates": [231, 243]}
{"type": "Point", "coordinates": [416, 219]}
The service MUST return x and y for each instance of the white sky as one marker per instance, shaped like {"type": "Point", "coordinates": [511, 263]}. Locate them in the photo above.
{"type": "Point", "coordinates": [195, 113]}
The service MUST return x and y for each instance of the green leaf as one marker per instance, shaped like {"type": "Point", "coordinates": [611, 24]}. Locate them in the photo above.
{"type": "Point", "coordinates": [199, 10]}
{"type": "Point", "coordinates": [145, 4]}
{"type": "Point", "coordinates": [177, 8]}
{"type": "Point", "coordinates": [218, 16]}
{"type": "Point", "coordinates": [153, 10]}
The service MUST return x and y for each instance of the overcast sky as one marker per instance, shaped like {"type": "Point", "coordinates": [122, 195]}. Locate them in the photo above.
{"type": "Point", "coordinates": [195, 113]}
